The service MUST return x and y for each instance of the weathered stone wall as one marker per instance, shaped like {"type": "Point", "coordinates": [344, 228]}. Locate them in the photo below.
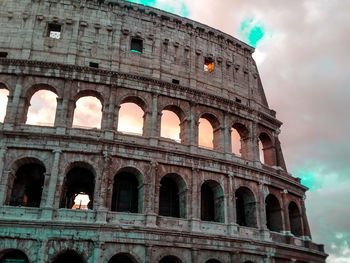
{"type": "Point", "coordinates": [173, 48]}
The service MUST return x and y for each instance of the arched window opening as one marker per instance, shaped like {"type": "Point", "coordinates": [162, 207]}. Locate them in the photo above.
{"type": "Point", "coordinates": [42, 109]}
{"type": "Point", "coordinates": [78, 189]}
{"type": "Point", "coordinates": [13, 255]}
{"type": "Point", "coordinates": [87, 113]}
{"type": "Point", "coordinates": [122, 258]}
{"type": "Point", "coordinates": [239, 140]}
{"type": "Point", "coordinates": [209, 132]}
{"type": "Point", "coordinates": [245, 207]}
{"type": "Point", "coordinates": [28, 185]}
{"type": "Point", "coordinates": [273, 213]}
{"type": "Point", "coordinates": [266, 150]}
{"type": "Point", "coordinates": [212, 202]}
{"type": "Point", "coordinates": [172, 196]}
{"type": "Point", "coordinates": [170, 125]}
{"type": "Point", "coordinates": [170, 259]}
{"type": "Point", "coordinates": [68, 256]}
{"type": "Point", "coordinates": [205, 134]}
{"type": "Point", "coordinates": [126, 196]}
{"type": "Point", "coordinates": [130, 118]}
{"type": "Point", "coordinates": [295, 219]}
{"type": "Point", "coordinates": [236, 142]}
{"type": "Point", "coordinates": [4, 93]}
{"type": "Point", "coordinates": [212, 261]}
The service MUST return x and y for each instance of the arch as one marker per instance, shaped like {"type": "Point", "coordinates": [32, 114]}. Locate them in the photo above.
{"type": "Point", "coordinates": [212, 261]}
{"type": "Point", "coordinates": [68, 256]}
{"type": "Point", "coordinates": [28, 183]}
{"type": "Point", "coordinates": [212, 202]}
{"type": "Point", "coordinates": [267, 150]}
{"type": "Point", "coordinates": [39, 86]}
{"type": "Point", "coordinates": [209, 135]}
{"type": "Point", "coordinates": [172, 125]}
{"type": "Point", "coordinates": [41, 110]}
{"type": "Point", "coordinates": [4, 94]}
{"type": "Point", "coordinates": [245, 207]}
{"type": "Point", "coordinates": [122, 258]}
{"type": "Point", "coordinates": [170, 259]}
{"type": "Point", "coordinates": [273, 213]}
{"type": "Point", "coordinates": [172, 196]}
{"type": "Point", "coordinates": [239, 140]}
{"type": "Point", "coordinates": [136, 100]}
{"type": "Point", "coordinates": [127, 193]}
{"type": "Point", "coordinates": [295, 219]}
{"type": "Point", "coordinates": [79, 181]}
{"type": "Point", "coordinates": [131, 118]}
{"type": "Point", "coordinates": [13, 255]}
{"type": "Point", "coordinates": [88, 110]}
{"type": "Point", "coordinates": [89, 93]}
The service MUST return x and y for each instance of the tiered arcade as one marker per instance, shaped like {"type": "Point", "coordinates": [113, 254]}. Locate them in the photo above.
{"type": "Point", "coordinates": [152, 199]}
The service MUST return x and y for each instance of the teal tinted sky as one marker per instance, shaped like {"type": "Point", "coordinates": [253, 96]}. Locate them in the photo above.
{"type": "Point", "coordinates": [251, 31]}
{"type": "Point", "coordinates": [179, 8]}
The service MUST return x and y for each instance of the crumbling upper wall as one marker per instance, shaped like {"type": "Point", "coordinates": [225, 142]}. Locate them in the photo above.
{"type": "Point", "coordinates": [173, 47]}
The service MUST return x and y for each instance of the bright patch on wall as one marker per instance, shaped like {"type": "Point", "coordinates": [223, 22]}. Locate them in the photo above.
{"type": "Point", "coordinates": [252, 31]}
{"type": "Point", "coordinates": [176, 7]}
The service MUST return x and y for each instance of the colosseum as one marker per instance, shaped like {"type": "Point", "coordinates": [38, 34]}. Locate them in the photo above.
{"type": "Point", "coordinates": [142, 196]}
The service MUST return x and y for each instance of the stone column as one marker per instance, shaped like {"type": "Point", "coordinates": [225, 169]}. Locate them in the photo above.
{"type": "Point", "coordinates": [47, 179]}
{"type": "Point", "coordinates": [110, 115]}
{"type": "Point", "coordinates": [194, 255]}
{"type": "Point", "coordinates": [5, 186]}
{"type": "Point", "coordinates": [3, 150]}
{"type": "Point", "coordinates": [148, 253]}
{"type": "Point", "coordinates": [96, 252]}
{"type": "Point", "coordinates": [151, 121]}
{"type": "Point", "coordinates": [41, 252]}
{"type": "Point", "coordinates": [70, 112]}
{"type": "Point", "coordinates": [230, 205]}
{"type": "Point", "coordinates": [286, 225]}
{"type": "Point", "coordinates": [196, 201]}
{"type": "Point", "coordinates": [264, 232]}
{"type": "Point", "coordinates": [151, 208]}
{"type": "Point", "coordinates": [193, 128]}
{"type": "Point", "coordinates": [100, 189]}
{"type": "Point", "coordinates": [306, 228]}
{"type": "Point", "coordinates": [227, 136]}
{"type": "Point", "coordinates": [106, 185]}
{"type": "Point", "coordinates": [61, 122]}
{"type": "Point", "coordinates": [51, 187]}
{"type": "Point", "coordinates": [185, 131]}
{"type": "Point", "coordinates": [14, 109]}
{"type": "Point", "coordinates": [254, 143]}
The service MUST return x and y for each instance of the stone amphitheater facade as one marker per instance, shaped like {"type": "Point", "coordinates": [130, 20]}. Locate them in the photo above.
{"type": "Point", "coordinates": [191, 204]}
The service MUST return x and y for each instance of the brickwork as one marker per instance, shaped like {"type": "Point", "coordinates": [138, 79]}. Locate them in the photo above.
{"type": "Point", "coordinates": [258, 212]}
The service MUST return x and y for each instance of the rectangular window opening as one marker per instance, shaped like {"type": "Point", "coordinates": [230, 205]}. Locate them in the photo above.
{"type": "Point", "coordinates": [136, 45]}
{"type": "Point", "coordinates": [3, 54]}
{"type": "Point", "coordinates": [238, 100]}
{"type": "Point", "coordinates": [176, 81]}
{"type": "Point", "coordinates": [208, 65]}
{"type": "Point", "coordinates": [54, 31]}
{"type": "Point", "coordinates": [93, 65]}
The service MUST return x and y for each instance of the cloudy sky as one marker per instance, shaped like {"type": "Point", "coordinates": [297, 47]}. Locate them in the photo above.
{"type": "Point", "coordinates": [302, 51]}
{"type": "Point", "coordinates": [304, 62]}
